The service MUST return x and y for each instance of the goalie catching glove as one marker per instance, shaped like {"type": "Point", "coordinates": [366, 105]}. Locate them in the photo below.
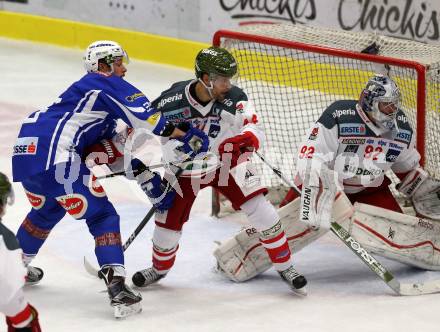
{"type": "Point", "coordinates": [424, 192]}
{"type": "Point", "coordinates": [159, 191]}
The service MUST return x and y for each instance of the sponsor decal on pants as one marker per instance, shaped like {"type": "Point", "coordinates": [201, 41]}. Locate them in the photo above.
{"type": "Point", "coordinates": [74, 204]}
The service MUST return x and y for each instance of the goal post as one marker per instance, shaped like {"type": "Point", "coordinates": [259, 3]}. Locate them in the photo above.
{"type": "Point", "coordinates": [293, 72]}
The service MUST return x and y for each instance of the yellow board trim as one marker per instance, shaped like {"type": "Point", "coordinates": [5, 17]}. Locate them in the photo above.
{"type": "Point", "coordinates": [139, 45]}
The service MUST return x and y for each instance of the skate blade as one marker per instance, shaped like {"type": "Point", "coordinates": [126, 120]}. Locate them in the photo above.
{"type": "Point", "coordinates": [32, 283]}
{"type": "Point", "coordinates": [123, 310]}
{"type": "Point", "coordinates": [302, 292]}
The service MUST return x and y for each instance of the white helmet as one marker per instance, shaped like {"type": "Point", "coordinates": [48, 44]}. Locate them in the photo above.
{"type": "Point", "coordinates": [381, 89]}
{"type": "Point", "coordinates": [102, 49]}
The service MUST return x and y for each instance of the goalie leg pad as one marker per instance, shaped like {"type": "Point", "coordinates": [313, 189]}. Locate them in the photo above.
{"type": "Point", "coordinates": [317, 198]}
{"type": "Point", "coordinates": [407, 239]}
{"type": "Point", "coordinates": [242, 257]}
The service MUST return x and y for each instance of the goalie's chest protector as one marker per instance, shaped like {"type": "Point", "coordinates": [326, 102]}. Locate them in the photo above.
{"type": "Point", "coordinates": [217, 119]}
{"type": "Point", "coordinates": [363, 154]}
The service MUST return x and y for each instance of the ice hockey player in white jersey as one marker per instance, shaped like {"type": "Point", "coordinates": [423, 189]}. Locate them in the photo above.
{"type": "Point", "coordinates": [20, 315]}
{"type": "Point", "coordinates": [221, 110]}
{"type": "Point", "coordinates": [360, 141]}
{"type": "Point", "coordinates": [346, 154]}
{"type": "Point", "coordinates": [48, 161]}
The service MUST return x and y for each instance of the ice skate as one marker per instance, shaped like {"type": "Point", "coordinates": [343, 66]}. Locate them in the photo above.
{"type": "Point", "coordinates": [34, 275]}
{"type": "Point", "coordinates": [146, 277]}
{"type": "Point", "coordinates": [122, 298]}
{"type": "Point", "coordinates": [296, 281]}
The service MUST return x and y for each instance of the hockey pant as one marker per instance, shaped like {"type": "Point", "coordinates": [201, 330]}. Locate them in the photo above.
{"type": "Point", "coordinates": [82, 198]}
{"type": "Point", "coordinates": [242, 187]}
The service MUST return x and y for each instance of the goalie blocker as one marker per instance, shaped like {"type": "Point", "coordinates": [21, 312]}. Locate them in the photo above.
{"type": "Point", "coordinates": [407, 239]}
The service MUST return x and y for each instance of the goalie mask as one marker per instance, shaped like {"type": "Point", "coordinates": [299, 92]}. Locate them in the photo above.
{"type": "Point", "coordinates": [219, 64]}
{"type": "Point", "coordinates": [380, 99]}
{"type": "Point", "coordinates": [6, 193]}
{"type": "Point", "coordinates": [105, 50]}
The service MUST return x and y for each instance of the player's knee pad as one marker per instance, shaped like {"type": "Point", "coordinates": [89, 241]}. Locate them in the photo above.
{"type": "Point", "coordinates": [407, 239]}
{"type": "Point", "coordinates": [242, 257]}
{"type": "Point", "coordinates": [261, 214]}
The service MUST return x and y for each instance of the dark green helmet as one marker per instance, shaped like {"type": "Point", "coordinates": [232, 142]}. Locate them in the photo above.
{"type": "Point", "coordinates": [5, 189]}
{"type": "Point", "coordinates": [215, 60]}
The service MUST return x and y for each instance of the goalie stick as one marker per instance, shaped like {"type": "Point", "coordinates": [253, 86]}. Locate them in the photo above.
{"type": "Point", "coordinates": [410, 289]}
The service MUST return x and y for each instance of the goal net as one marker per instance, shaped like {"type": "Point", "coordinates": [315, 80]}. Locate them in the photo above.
{"type": "Point", "coordinates": [293, 72]}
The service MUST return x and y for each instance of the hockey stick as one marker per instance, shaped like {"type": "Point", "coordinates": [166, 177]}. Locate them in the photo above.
{"type": "Point", "coordinates": [137, 171]}
{"type": "Point", "coordinates": [95, 272]}
{"type": "Point", "coordinates": [428, 287]}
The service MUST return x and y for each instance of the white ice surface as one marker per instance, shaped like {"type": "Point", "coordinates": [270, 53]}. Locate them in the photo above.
{"type": "Point", "coordinates": [343, 294]}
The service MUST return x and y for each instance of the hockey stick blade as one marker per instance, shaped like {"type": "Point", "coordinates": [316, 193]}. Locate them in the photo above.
{"type": "Point", "coordinates": [406, 289]}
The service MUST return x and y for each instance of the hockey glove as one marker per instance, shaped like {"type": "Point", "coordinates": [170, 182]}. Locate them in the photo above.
{"type": "Point", "coordinates": [159, 191]}
{"type": "Point", "coordinates": [424, 192]}
{"type": "Point", "coordinates": [238, 145]}
{"type": "Point", "coordinates": [27, 320]}
{"type": "Point", "coordinates": [195, 142]}
{"type": "Point", "coordinates": [104, 152]}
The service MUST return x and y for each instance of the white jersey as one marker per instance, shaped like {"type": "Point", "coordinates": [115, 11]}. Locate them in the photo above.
{"type": "Point", "coordinates": [346, 141]}
{"type": "Point", "coordinates": [12, 273]}
{"type": "Point", "coordinates": [219, 120]}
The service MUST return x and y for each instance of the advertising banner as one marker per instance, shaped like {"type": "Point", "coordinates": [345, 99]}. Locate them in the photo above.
{"type": "Point", "coordinates": [199, 19]}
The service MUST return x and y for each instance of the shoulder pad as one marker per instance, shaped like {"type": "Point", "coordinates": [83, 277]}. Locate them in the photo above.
{"type": "Point", "coordinates": [402, 121]}
{"type": "Point", "coordinates": [232, 100]}
{"type": "Point", "coordinates": [174, 94]}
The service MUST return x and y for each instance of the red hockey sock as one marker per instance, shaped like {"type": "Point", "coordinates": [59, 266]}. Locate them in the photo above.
{"type": "Point", "coordinates": [278, 250]}
{"type": "Point", "coordinates": [163, 261]}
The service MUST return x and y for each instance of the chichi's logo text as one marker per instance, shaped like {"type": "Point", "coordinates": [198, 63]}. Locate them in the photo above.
{"type": "Point", "coordinates": [295, 11]}
{"type": "Point", "coordinates": [408, 18]}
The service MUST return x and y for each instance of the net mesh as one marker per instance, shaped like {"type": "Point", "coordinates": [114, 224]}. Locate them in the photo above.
{"type": "Point", "coordinates": [291, 85]}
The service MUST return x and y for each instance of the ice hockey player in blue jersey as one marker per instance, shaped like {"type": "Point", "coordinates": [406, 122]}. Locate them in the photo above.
{"type": "Point", "coordinates": [48, 161]}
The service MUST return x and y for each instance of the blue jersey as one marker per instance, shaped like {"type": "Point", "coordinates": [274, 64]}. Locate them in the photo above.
{"type": "Point", "coordinates": [85, 113]}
